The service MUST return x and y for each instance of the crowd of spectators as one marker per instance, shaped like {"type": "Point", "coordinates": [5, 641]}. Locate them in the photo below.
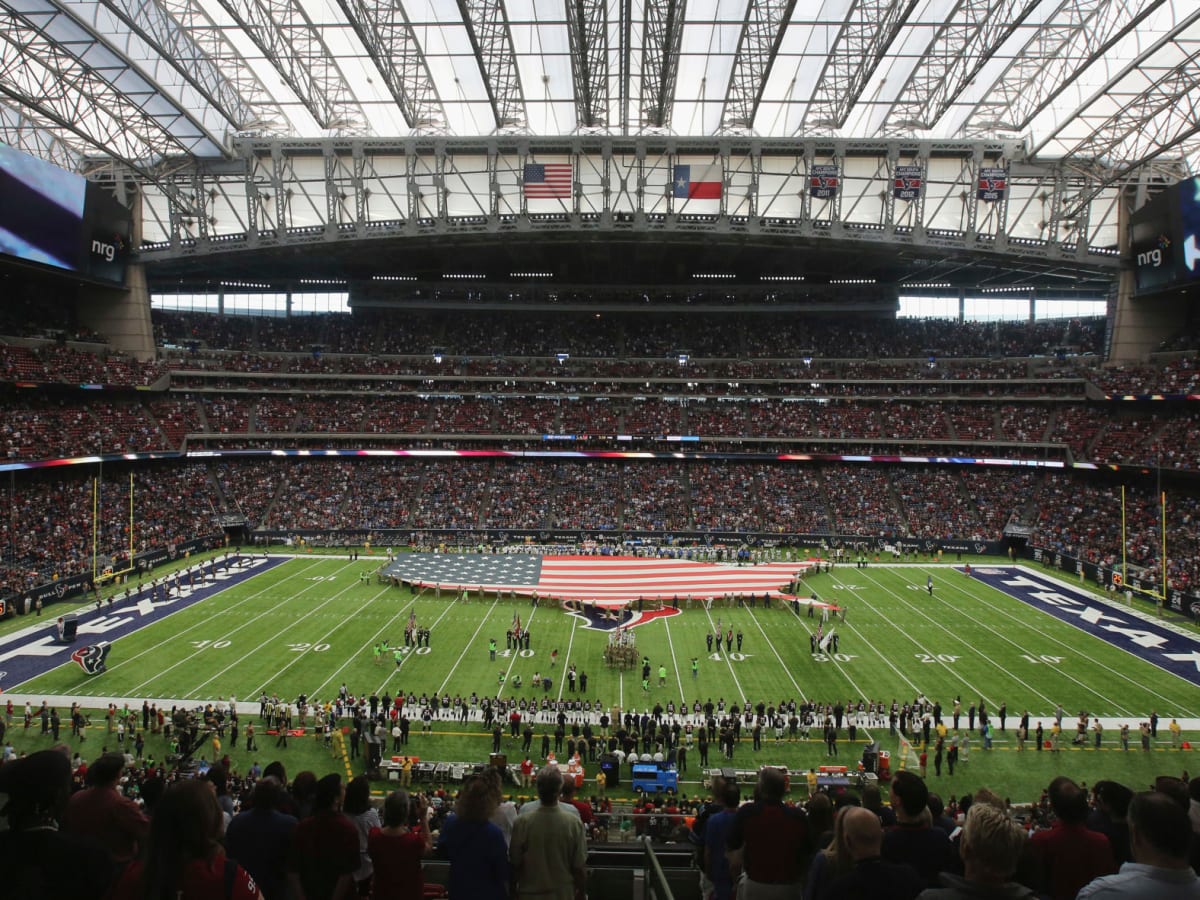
{"type": "Point", "coordinates": [37, 426]}
{"type": "Point", "coordinates": [481, 331]}
{"type": "Point", "coordinates": [52, 516]}
{"type": "Point", "coordinates": [130, 826]}
{"type": "Point", "coordinates": [934, 504]}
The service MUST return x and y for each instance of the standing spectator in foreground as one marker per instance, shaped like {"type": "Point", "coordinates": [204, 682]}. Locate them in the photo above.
{"type": "Point", "coordinates": [358, 808]}
{"type": "Point", "coordinates": [1069, 854]}
{"type": "Point", "coordinates": [716, 832]}
{"type": "Point", "coordinates": [769, 842]}
{"type": "Point", "coordinates": [549, 851]}
{"type": "Point", "coordinates": [871, 875]}
{"type": "Point", "coordinates": [914, 840]}
{"type": "Point", "coordinates": [258, 837]}
{"type": "Point", "coordinates": [324, 851]}
{"type": "Point", "coordinates": [1160, 837]}
{"type": "Point", "coordinates": [474, 844]}
{"type": "Point", "coordinates": [103, 813]}
{"type": "Point", "coordinates": [183, 855]}
{"type": "Point", "coordinates": [32, 849]}
{"type": "Point", "coordinates": [396, 849]}
{"type": "Point", "coordinates": [991, 850]}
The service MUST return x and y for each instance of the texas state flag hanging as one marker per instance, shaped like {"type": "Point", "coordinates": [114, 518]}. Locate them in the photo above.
{"type": "Point", "coordinates": [687, 189]}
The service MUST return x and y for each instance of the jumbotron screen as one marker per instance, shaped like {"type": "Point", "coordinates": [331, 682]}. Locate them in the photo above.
{"type": "Point", "coordinates": [1164, 237]}
{"type": "Point", "coordinates": [55, 218]}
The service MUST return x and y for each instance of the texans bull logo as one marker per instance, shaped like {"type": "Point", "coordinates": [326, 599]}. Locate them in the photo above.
{"type": "Point", "coordinates": [92, 658]}
{"type": "Point", "coordinates": [610, 620]}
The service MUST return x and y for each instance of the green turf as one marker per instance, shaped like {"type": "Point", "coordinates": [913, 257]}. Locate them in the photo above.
{"type": "Point", "coordinates": [309, 626]}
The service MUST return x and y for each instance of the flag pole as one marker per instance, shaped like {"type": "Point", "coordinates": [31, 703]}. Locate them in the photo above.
{"type": "Point", "coordinates": [131, 519]}
{"type": "Point", "coordinates": [95, 522]}
{"type": "Point", "coordinates": [1123, 567]}
{"type": "Point", "coordinates": [1163, 554]}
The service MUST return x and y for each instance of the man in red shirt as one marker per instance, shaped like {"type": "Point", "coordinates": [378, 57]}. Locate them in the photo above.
{"type": "Point", "coordinates": [103, 813]}
{"type": "Point", "coordinates": [324, 850]}
{"type": "Point", "coordinates": [769, 841]}
{"type": "Point", "coordinates": [1069, 855]}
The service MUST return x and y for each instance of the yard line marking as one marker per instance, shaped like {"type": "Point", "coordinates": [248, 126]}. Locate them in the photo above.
{"type": "Point", "coordinates": [782, 665]}
{"type": "Point", "coordinates": [413, 655]}
{"type": "Point", "coordinates": [986, 657]}
{"type": "Point", "coordinates": [1119, 676]}
{"type": "Point", "coordinates": [205, 622]}
{"type": "Point", "coordinates": [269, 639]}
{"type": "Point", "coordinates": [483, 620]}
{"type": "Point", "coordinates": [567, 660]}
{"type": "Point", "coordinates": [883, 657]}
{"type": "Point", "coordinates": [367, 645]}
{"type": "Point", "coordinates": [728, 661]}
{"type": "Point", "coordinates": [674, 661]}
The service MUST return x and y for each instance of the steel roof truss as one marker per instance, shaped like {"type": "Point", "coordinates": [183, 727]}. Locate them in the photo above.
{"type": "Point", "coordinates": [861, 45]}
{"type": "Point", "coordinates": [963, 45]}
{"type": "Point", "coordinates": [286, 36]}
{"type": "Point", "coordinates": [587, 32]}
{"type": "Point", "coordinates": [487, 25]}
{"type": "Point", "coordinates": [758, 45]}
{"type": "Point", "coordinates": [660, 59]}
{"type": "Point", "coordinates": [389, 39]}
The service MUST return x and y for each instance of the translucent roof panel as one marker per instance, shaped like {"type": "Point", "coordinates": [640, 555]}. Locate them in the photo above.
{"type": "Point", "coordinates": [1105, 80]}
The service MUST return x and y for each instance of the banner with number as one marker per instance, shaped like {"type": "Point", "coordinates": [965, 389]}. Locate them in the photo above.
{"type": "Point", "coordinates": [907, 182]}
{"type": "Point", "coordinates": [993, 183]}
{"type": "Point", "coordinates": [823, 181]}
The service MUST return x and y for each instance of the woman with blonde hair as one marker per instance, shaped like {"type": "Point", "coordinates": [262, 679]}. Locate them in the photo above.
{"type": "Point", "coordinates": [828, 864]}
{"type": "Point", "coordinates": [474, 844]}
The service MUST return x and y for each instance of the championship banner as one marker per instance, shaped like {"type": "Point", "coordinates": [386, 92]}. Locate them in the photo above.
{"type": "Point", "coordinates": [907, 182]}
{"type": "Point", "coordinates": [993, 183]}
{"type": "Point", "coordinates": [823, 182]}
{"type": "Point", "coordinates": [92, 659]}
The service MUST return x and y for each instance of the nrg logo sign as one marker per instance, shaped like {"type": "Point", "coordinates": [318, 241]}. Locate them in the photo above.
{"type": "Point", "coordinates": [1154, 257]}
{"type": "Point", "coordinates": [106, 249]}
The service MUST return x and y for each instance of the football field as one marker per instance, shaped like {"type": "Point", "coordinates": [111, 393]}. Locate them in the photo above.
{"type": "Point", "coordinates": [1002, 635]}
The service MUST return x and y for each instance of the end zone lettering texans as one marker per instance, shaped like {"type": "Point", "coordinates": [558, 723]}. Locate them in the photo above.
{"type": "Point", "coordinates": [1173, 652]}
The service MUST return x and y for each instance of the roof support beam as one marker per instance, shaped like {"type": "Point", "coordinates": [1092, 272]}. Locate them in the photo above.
{"type": "Point", "coordinates": [20, 130]}
{"type": "Point", "coordinates": [660, 59]}
{"type": "Point", "coordinates": [487, 25]}
{"type": "Point", "coordinates": [863, 42]}
{"type": "Point", "coordinates": [1081, 33]}
{"type": "Point", "coordinates": [74, 85]}
{"type": "Point", "coordinates": [762, 33]}
{"type": "Point", "coordinates": [154, 26]}
{"type": "Point", "coordinates": [385, 31]}
{"type": "Point", "coordinates": [282, 30]}
{"type": "Point", "coordinates": [962, 47]}
{"type": "Point", "coordinates": [587, 30]}
{"type": "Point", "coordinates": [225, 57]}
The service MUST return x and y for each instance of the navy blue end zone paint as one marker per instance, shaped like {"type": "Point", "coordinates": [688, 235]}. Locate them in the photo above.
{"type": "Point", "coordinates": [1158, 645]}
{"type": "Point", "coordinates": [35, 650]}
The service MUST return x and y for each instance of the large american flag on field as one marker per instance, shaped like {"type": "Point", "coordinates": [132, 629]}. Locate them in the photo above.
{"type": "Point", "coordinates": [603, 580]}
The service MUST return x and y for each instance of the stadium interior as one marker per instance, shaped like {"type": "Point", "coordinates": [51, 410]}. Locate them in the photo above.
{"type": "Point", "coordinates": [871, 274]}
